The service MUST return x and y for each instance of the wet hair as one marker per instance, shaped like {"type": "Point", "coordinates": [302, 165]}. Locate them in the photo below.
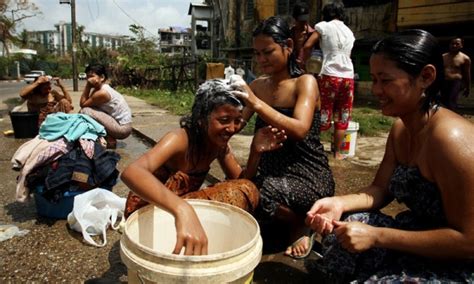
{"type": "Point", "coordinates": [412, 50]}
{"type": "Point", "coordinates": [97, 69]}
{"type": "Point", "coordinates": [300, 9]}
{"type": "Point", "coordinates": [210, 95]}
{"type": "Point", "coordinates": [333, 11]}
{"type": "Point", "coordinates": [278, 29]}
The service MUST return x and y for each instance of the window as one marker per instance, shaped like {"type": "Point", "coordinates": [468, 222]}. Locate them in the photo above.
{"type": "Point", "coordinates": [249, 9]}
{"type": "Point", "coordinates": [285, 7]}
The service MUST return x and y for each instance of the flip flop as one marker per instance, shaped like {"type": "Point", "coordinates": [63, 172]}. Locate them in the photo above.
{"type": "Point", "coordinates": [310, 247]}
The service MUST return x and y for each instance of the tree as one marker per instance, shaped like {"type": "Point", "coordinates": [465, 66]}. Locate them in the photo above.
{"type": "Point", "coordinates": [140, 51]}
{"type": "Point", "coordinates": [12, 13]}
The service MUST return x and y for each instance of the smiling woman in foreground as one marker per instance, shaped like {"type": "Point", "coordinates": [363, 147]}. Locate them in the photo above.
{"type": "Point", "coordinates": [428, 165]}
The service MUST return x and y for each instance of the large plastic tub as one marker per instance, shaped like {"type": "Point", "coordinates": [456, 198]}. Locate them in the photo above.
{"type": "Point", "coordinates": [25, 124]}
{"type": "Point", "coordinates": [58, 210]}
{"type": "Point", "coordinates": [235, 246]}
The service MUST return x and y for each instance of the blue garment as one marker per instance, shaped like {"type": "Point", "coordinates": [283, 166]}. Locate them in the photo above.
{"type": "Point", "coordinates": [72, 126]}
{"type": "Point", "coordinates": [76, 172]}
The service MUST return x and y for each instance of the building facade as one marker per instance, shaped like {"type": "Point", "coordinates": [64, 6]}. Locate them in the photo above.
{"type": "Point", "coordinates": [370, 20]}
{"type": "Point", "coordinates": [175, 40]}
{"type": "Point", "coordinates": [59, 41]}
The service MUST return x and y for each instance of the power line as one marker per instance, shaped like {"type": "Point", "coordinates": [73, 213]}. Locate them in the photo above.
{"type": "Point", "coordinates": [130, 17]}
{"type": "Point", "coordinates": [90, 11]}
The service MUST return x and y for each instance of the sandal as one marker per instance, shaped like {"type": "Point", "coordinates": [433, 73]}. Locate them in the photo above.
{"type": "Point", "coordinates": [308, 251]}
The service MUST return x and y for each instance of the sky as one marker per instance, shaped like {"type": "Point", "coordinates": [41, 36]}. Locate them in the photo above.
{"type": "Point", "coordinates": [112, 16]}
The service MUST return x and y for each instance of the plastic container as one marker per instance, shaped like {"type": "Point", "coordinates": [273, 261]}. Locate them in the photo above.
{"type": "Point", "coordinates": [235, 246]}
{"type": "Point", "coordinates": [350, 139]}
{"type": "Point", "coordinates": [58, 210]}
{"type": "Point", "coordinates": [25, 124]}
{"type": "Point", "coordinates": [315, 62]}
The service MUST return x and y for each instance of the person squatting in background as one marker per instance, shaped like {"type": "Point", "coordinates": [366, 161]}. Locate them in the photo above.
{"type": "Point", "coordinates": [104, 104]}
{"type": "Point", "coordinates": [44, 99]}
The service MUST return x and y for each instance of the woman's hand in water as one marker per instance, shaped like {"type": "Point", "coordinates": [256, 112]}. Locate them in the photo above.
{"type": "Point", "coordinates": [268, 139]}
{"type": "Point", "coordinates": [189, 231]}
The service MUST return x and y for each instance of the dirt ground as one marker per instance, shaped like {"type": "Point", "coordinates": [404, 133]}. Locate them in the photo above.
{"type": "Point", "coordinates": [51, 252]}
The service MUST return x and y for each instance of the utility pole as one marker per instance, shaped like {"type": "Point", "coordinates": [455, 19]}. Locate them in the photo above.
{"type": "Point", "coordinates": [74, 46]}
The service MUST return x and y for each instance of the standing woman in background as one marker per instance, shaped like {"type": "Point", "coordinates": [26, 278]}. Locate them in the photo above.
{"type": "Point", "coordinates": [336, 81]}
{"type": "Point", "coordinates": [301, 31]}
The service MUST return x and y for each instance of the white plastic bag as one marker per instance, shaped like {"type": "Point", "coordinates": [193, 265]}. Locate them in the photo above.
{"type": "Point", "coordinates": [93, 212]}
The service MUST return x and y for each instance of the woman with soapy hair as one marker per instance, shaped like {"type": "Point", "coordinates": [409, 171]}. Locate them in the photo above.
{"type": "Point", "coordinates": [176, 167]}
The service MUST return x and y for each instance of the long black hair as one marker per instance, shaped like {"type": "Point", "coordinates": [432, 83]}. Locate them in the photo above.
{"type": "Point", "coordinates": [278, 29]}
{"type": "Point", "coordinates": [210, 95]}
{"type": "Point", "coordinates": [412, 50]}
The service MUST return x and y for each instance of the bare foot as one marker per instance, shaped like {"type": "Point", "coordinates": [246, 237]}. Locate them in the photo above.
{"type": "Point", "coordinates": [300, 248]}
{"type": "Point", "coordinates": [338, 156]}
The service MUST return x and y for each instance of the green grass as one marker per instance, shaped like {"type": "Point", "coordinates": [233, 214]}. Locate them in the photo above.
{"type": "Point", "coordinates": [178, 103]}
{"type": "Point", "coordinates": [371, 121]}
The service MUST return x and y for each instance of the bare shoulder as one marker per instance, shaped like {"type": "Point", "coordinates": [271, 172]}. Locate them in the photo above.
{"type": "Point", "coordinates": [176, 139]}
{"type": "Point", "coordinates": [451, 133]}
{"type": "Point", "coordinates": [398, 129]}
{"type": "Point", "coordinates": [306, 86]}
{"type": "Point", "coordinates": [465, 57]}
{"type": "Point", "coordinates": [259, 82]}
{"type": "Point", "coordinates": [260, 86]}
{"type": "Point", "coordinates": [306, 79]}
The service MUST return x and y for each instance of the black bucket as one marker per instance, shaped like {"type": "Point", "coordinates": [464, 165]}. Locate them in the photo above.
{"type": "Point", "coordinates": [25, 124]}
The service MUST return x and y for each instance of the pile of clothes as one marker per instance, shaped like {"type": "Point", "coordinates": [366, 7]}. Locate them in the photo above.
{"type": "Point", "coordinates": [68, 155]}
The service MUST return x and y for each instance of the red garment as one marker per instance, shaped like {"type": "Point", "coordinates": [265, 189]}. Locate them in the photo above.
{"type": "Point", "coordinates": [337, 95]}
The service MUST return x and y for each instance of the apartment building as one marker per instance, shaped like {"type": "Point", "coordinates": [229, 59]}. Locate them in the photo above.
{"type": "Point", "coordinates": [59, 40]}
{"type": "Point", "coordinates": [174, 40]}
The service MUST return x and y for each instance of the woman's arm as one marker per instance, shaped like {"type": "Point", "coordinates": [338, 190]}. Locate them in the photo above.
{"type": "Point", "coordinates": [308, 46]}
{"type": "Point", "coordinates": [91, 97]}
{"type": "Point", "coordinates": [28, 89]}
{"type": "Point", "coordinates": [296, 127]}
{"type": "Point", "coordinates": [138, 176]}
{"type": "Point", "coordinates": [265, 139]}
{"type": "Point", "coordinates": [58, 96]}
{"type": "Point", "coordinates": [447, 161]}
{"type": "Point", "coordinates": [229, 164]}
{"type": "Point", "coordinates": [325, 211]}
